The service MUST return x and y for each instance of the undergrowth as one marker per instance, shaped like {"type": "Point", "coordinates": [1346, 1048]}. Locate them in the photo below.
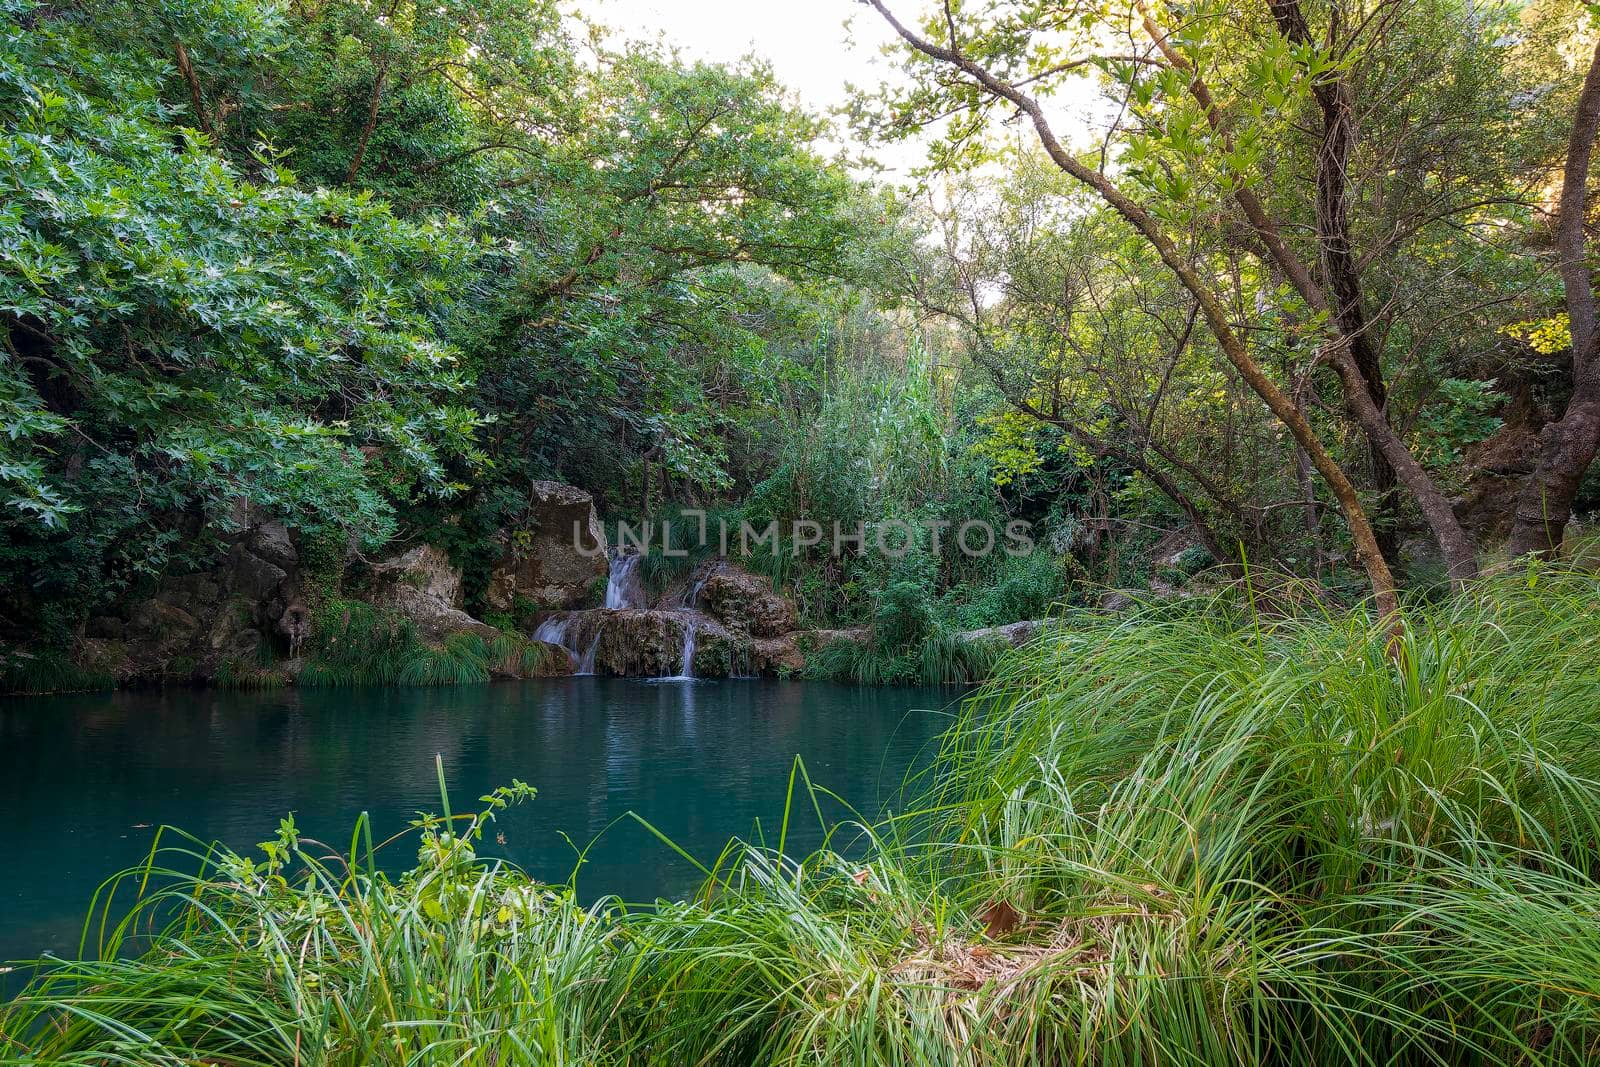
{"type": "Point", "coordinates": [25, 672]}
{"type": "Point", "coordinates": [358, 645]}
{"type": "Point", "coordinates": [942, 658]}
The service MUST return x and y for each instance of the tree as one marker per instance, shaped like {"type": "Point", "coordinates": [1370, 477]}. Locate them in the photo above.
{"type": "Point", "coordinates": [178, 340]}
{"type": "Point", "coordinates": [979, 81]}
{"type": "Point", "coordinates": [1569, 444]}
{"type": "Point", "coordinates": [1077, 328]}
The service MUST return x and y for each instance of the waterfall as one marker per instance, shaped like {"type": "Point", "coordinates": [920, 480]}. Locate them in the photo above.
{"type": "Point", "coordinates": [557, 630]}
{"type": "Point", "coordinates": [566, 630]}
{"type": "Point", "coordinates": [586, 665]}
{"type": "Point", "coordinates": [687, 669]}
{"type": "Point", "coordinates": [623, 587]}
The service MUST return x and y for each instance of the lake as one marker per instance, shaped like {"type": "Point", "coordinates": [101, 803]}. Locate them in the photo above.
{"type": "Point", "coordinates": [86, 779]}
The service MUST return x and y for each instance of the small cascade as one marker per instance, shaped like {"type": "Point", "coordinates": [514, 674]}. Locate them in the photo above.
{"type": "Point", "coordinates": [687, 669]}
{"type": "Point", "coordinates": [557, 630]}
{"type": "Point", "coordinates": [687, 596]}
{"type": "Point", "coordinates": [624, 587]}
{"type": "Point", "coordinates": [586, 664]}
{"type": "Point", "coordinates": [694, 591]}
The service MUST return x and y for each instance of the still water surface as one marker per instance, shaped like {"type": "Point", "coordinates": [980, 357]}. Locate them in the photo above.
{"type": "Point", "coordinates": [86, 779]}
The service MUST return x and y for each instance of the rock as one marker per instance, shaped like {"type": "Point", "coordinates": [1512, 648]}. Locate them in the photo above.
{"type": "Point", "coordinates": [554, 557]}
{"type": "Point", "coordinates": [106, 658]}
{"type": "Point", "coordinates": [745, 603]}
{"type": "Point", "coordinates": [271, 542]}
{"type": "Point", "coordinates": [640, 642]}
{"type": "Point", "coordinates": [1115, 600]}
{"type": "Point", "coordinates": [1014, 634]}
{"type": "Point", "coordinates": [253, 577]}
{"type": "Point", "coordinates": [425, 569]}
{"type": "Point", "coordinates": [294, 623]}
{"type": "Point", "coordinates": [556, 662]}
{"type": "Point", "coordinates": [813, 640]}
{"type": "Point", "coordinates": [777, 655]}
{"type": "Point", "coordinates": [157, 622]}
{"type": "Point", "coordinates": [422, 585]}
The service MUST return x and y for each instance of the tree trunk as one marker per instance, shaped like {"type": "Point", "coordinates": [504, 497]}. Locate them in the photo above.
{"type": "Point", "coordinates": [371, 121]}
{"type": "Point", "coordinates": [192, 80]}
{"type": "Point", "coordinates": [1344, 279]}
{"type": "Point", "coordinates": [1544, 506]}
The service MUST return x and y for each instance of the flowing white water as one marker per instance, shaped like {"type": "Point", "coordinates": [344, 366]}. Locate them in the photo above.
{"type": "Point", "coordinates": [686, 662]}
{"type": "Point", "coordinates": [687, 669]}
{"type": "Point", "coordinates": [586, 664]}
{"type": "Point", "coordinates": [557, 630]}
{"type": "Point", "coordinates": [623, 586]}
{"type": "Point", "coordinates": [694, 592]}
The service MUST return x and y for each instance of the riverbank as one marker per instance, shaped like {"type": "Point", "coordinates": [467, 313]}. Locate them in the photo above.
{"type": "Point", "coordinates": [1182, 836]}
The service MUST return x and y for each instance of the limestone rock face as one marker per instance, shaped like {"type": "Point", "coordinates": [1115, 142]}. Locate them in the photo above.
{"type": "Point", "coordinates": [190, 625]}
{"type": "Point", "coordinates": [639, 642]}
{"type": "Point", "coordinates": [424, 586]}
{"type": "Point", "coordinates": [554, 557]}
{"type": "Point", "coordinates": [745, 603]}
{"type": "Point", "coordinates": [777, 655]}
{"type": "Point", "coordinates": [1013, 634]}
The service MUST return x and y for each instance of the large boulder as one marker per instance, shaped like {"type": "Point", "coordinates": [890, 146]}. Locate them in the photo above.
{"type": "Point", "coordinates": [552, 558]}
{"type": "Point", "coordinates": [1014, 634]}
{"type": "Point", "coordinates": [639, 642]}
{"type": "Point", "coordinates": [745, 603]}
{"type": "Point", "coordinates": [421, 584]}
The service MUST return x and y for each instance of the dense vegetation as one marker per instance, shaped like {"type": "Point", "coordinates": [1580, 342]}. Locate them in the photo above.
{"type": "Point", "coordinates": [1311, 292]}
{"type": "Point", "coordinates": [1192, 835]}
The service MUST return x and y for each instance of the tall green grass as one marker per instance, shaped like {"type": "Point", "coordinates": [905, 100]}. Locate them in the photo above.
{"type": "Point", "coordinates": [1184, 836]}
{"type": "Point", "coordinates": [940, 658]}
{"type": "Point", "coordinates": [29, 672]}
{"type": "Point", "coordinates": [359, 645]}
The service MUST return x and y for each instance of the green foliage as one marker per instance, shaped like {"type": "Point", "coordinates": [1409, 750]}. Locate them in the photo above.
{"type": "Point", "coordinates": [1025, 587]}
{"type": "Point", "coordinates": [299, 256]}
{"type": "Point", "coordinates": [180, 338]}
{"type": "Point", "coordinates": [1462, 415]}
{"type": "Point", "coordinates": [260, 671]}
{"type": "Point", "coordinates": [938, 658]}
{"type": "Point", "coordinates": [904, 616]}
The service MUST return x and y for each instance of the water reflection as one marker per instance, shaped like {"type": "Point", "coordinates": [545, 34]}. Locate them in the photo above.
{"type": "Point", "coordinates": [85, 779]}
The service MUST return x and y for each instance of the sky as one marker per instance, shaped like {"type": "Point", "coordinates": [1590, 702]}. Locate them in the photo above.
{"type": "Point", "coordinates": [804, 40]}
{"type": "Point", "coordinates": [811, 51]}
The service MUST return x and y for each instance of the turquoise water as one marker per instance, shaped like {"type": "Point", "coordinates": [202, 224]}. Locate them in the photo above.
{"type": "Point", "coordinates": [85, 780]}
